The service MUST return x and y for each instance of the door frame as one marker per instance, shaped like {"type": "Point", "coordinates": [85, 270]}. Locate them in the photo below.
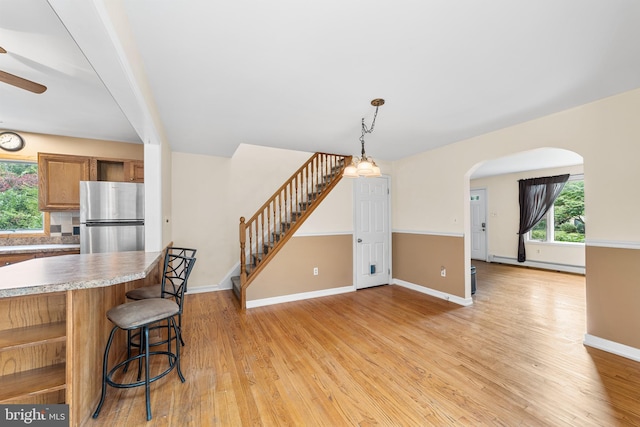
{"type": "Point", "coordinates": [355, 228]}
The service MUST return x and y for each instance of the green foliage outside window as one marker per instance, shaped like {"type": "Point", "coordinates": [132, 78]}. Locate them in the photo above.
{"type": "Point", "coordinates": [19, 197]}
{"type": "Point", "coordinates": [568, 216]}
{"type": "Point", "coordinates": [569, 213]}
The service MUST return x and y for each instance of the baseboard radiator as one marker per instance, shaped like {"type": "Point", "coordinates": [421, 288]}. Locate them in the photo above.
{"type": "Point", "coordinates": [567, 268]}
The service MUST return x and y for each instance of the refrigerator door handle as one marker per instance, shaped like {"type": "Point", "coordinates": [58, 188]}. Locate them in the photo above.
{"type": "Point", "coordinates": [114, 223]}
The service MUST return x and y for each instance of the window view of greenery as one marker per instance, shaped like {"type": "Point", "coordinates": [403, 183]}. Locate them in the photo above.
{"type": "Point", "coordinates": [19, 197]}
{"type": "Point", "coordinates": [567, 222]}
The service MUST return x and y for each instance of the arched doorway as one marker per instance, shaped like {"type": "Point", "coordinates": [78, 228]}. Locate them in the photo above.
{"type": "Point", "coordinates": [498, 178]}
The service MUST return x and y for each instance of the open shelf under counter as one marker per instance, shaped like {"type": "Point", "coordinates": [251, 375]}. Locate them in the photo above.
{"type": "Point", "coordinates": [33, 335]}
{"type": "Point", "coordinates": [33, 382]}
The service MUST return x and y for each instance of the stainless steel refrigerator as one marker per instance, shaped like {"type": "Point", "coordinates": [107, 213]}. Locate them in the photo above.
{"type": "Point", "coordinates": [111, 216]}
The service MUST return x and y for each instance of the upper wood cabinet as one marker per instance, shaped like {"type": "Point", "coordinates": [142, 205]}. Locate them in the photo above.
{"type": "Point", "coordinates": [120, 170]}
{"type": "Point", "coordinates": [134, 171]}
{"type": "Point", "coordinates": [59, 179]}
{"type": "Point", "coordinates": [60, 175]}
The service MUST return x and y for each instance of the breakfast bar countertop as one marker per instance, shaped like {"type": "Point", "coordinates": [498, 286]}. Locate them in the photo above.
{"type": "Point", "coordinates": [68, 272]}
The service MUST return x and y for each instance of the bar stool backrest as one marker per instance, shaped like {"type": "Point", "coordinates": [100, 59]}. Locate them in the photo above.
{"type": "Point", "coordinates": [174, 250]}
{"type": "Point", "coordinates": [177, 269]}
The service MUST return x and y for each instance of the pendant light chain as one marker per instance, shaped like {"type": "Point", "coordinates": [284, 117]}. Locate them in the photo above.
{"type": "Point", "coordinates": [364, 166]}
{"type": "Point", "coordinates": [367, 130]}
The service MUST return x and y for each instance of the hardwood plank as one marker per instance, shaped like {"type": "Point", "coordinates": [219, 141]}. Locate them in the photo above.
{"type": "Point", "coordinates": [392, 356]}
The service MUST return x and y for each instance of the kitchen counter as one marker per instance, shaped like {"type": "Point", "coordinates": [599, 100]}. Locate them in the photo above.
{"type": "Point", "coordinates": [67, 272]}
{"type": "Point", "coordinates": [55, 328]}
{"type": "Point", "coordinates": [28, 249]}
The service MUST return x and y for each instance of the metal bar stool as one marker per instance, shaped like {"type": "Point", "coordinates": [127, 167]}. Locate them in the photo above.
{"type": "Point", "coordinates": [144, 315]}
{"type": "Point", "coordinates": [154, 291]}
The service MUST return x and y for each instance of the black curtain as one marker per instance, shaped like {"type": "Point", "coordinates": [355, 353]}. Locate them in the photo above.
{"type": "Point", "coordinates": [536, 197]}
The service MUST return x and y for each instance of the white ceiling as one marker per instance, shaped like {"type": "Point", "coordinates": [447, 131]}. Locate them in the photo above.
{"type": "Point", "coordinates": [301, 75]}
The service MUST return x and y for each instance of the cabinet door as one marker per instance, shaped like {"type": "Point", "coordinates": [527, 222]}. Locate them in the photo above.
{"type": "Point", "coordinates": [134, 171]}
{"type": "Point", "coordinates": [60, 177]}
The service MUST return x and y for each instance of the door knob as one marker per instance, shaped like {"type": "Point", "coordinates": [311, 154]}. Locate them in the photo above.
{"type": "Point", "coordinates": [359, 240]}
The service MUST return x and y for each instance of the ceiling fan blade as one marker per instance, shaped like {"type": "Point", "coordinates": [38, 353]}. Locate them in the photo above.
{"type": "Point", "coordinates": [21, 83]}
{"type": "Point", "coordinates": [2, 50]}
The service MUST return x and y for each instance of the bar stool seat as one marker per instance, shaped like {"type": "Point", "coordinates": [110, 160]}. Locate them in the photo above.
{"type": "Point", "coordinates": [141, 316]}
{"type": "Point", "coordinates": [136, 314]}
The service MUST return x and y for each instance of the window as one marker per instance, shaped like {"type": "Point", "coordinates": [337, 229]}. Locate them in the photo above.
{"type": "Point", "coordinates": [19, 198]}
{"type": "Point", "coordinates": [565, 220]}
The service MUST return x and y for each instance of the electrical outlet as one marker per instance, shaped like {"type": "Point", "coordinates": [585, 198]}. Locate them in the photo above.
{"type": "Point", "coordinates": [315, 271]}
{"type": "Point", "coordinates": [443, 272]}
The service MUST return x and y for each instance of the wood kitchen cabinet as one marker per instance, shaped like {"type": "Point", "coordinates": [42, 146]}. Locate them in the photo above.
{"type": "Point", "coordinates": [119, 170]}
{"type": "Point", "coordinates": [60, 175]}
{"type": "Point", "coordinates": [59, 181]}
{"type": "Point", "coordinates": [135, 170]}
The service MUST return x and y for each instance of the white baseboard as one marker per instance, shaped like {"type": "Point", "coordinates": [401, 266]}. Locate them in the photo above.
{"type": "Point", "coordinates": [434, 293]}
{"type": "Point", "coordinates": [538, 264]}
{"type": "Point", "coordinates": [612, 347]}
{"type": "Point", "coordinates": [203, 289]}
{"type": "Point", "coordinates": [299, 297]}
{"type": "Point", "coordinates": [224, 285]}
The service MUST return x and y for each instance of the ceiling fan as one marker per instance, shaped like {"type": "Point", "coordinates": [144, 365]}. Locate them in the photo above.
{"type": "Point", "coordinates": [19, 81]}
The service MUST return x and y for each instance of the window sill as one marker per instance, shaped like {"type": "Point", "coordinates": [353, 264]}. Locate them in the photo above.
{"type": "Point", "coordinates": [565, 244]}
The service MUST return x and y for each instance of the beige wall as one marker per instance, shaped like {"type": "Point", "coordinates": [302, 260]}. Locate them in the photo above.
{"type": "Point", "coordinates": [503, 218]}
{"type": "Point", "coordinates": [613, 294]}
{"type": "Point", "coordinates": [418, 258]}
{"type": "Point", "coordinates": [431, 189]}
{"type": "Point", "coordinates": [39, 143]}
{"type": "Point", "coordinates": [210, 194]}
{"type": "Point", "coordinates": [291, 271]}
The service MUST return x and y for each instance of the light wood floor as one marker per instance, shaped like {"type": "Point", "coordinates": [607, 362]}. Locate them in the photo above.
{"type": "Point", "coordinates": [390, 356]}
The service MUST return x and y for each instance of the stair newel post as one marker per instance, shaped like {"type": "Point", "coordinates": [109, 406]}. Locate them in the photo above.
{"type": "Point", "coordinates": [243, 259]}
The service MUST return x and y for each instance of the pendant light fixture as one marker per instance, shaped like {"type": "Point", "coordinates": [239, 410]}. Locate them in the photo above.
{"type": "Point", "coordinates": [364, 165]}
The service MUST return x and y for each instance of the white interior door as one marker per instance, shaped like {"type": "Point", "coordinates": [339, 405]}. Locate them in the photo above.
{"type": "Point", "coordinates": [373, 235]}
{"type": "Point", "coordinates": [478, 207]}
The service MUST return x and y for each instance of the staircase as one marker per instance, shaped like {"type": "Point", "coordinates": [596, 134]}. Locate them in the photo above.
{"type": "Point", "coordinates": [267, 231]}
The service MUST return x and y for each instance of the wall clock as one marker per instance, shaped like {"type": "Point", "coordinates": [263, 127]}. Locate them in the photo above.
{"type": "Point", "coordinates": [11, 141]}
